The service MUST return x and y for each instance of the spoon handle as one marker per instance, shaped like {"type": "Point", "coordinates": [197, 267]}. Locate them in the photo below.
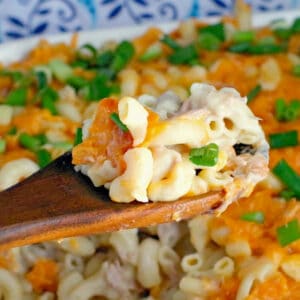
{"type": "Point", "coordinates": [58, 202]}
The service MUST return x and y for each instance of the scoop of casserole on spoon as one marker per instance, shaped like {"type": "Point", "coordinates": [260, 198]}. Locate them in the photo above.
{"type": "Point", "coordinates": [142, 162]}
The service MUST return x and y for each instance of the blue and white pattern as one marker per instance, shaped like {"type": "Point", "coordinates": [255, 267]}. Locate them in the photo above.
{"type": "Point", "coordinates": [22, 18]}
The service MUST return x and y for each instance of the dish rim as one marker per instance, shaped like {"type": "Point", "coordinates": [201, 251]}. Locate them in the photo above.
{"type": "Point", "coordinates": [12, 51]}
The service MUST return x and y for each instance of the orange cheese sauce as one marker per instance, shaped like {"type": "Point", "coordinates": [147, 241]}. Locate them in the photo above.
{"type": "Point", "coordinates": [43, 276]}
{"type": "Point", "coordinates": [263, 242]}
{"type": "Point", "coordinates": [105, 141]}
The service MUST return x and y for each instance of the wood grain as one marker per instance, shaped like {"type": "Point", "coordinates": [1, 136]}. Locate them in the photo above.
{"type": "Point", "coordinates": [58, 202]}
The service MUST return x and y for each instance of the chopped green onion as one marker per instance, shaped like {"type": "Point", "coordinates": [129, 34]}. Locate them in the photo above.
{"type": "Point", "coordinates": [43, 157]}
{"type": "Point", "coordinates": [287, 112]}
{"type": "Point", "coordinates": [105, 58]}
{"type": "Point", "coordinates": [167, 40]}
{"type": "Point", "coordinates": [118, 63]}
{"type": "Point", "coordinates": [62, 145]}
{"type": "Point", "coordinates": [107, 73]}
{"type": "Point", "coordinates": [116, 119]}
{"type": "Point", "coordinates": [253, 93]}
{"type": "Point", "coordinates": [267, 48]}
{"type": "Point", "coordinates": [283, 139]}
{"type": "Point", "coordinates": [181, 55]}
{"type": "Point", "coordinates": [115, 89]}
{"type": "Point", "coordinates": [15, 75]}
{"type": "Point", "coordinates": [76, 81]}
{"type": "Point", "coordinates": [215, 29]}
{"type": "Point", "coordinates": [2, 145]}
{"type": "Point", "coordinates": [184, 55]}
{"type": "Point", "coordinates": [42, 138]}
{"type": "Point", "coordinates": [296, 70]}
{"type": "Point", "coordinates": [209, 41]}
{"type": "Point", "coordinates": [243, 36]}
{"type": "Point", "coordinates": [78, 136]}
{"type": "Point", "coordinates": [205, 156]}
{"type": "Point", "coordinates": [41, 79]}
{"type": "Point", "coordinates": [287, 194]}
{"type": "Point", "coordinates": [47, 103]}
{"type": "Point", "coordinates": [295, 28]}
{"type": "Point", "coordinates": [12, 131]}
{"type": "Point", "coordinates": [48, 97]}
{"type": "Point", "coordinates": [288, 233]}
{"type": "Point", "coordinates": [267, 40]}
{"type": "Point", "coordinates": [96, 89]}
{"type": "Point", "coordinates": [17, 97]}
{"type": "Point", "coordinates": [60, 70]}
{"type": "Point", "coordinates": [283, 33]}
{"type": "Point", "coordinates": [87, 51]}
{"type": "Point", "coordinates": [278, 23]}
{"type": "Point", "coordinates": [125, 49]}
{"type": "Point", "coordinates": [280, 110]}
{"type": "Point", "coordinates": [255, 216]}
{"type": "Point", "coordinates": [79, 63]}
{"type": "Point", "coordinates": [288, 176]}
{"type": "Point", "coordinates": [256, 49]}
{"type": "Point", "coordinates": [240, 47]}
{"type": "Point", "coordinates": [153, 52]}
{"type": "Point", "coordinates": [43, 69]}
{"type": "Point", "coordinates": [123, 54]}
{"type": "Point", "coordinates": [30, 142]}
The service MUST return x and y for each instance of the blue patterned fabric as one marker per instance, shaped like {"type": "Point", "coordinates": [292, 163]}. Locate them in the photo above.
{"type": "Point", "coordinates": [22, 18]}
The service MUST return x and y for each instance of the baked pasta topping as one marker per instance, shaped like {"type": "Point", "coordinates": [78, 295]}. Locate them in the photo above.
{"type": "Point", "coordinates": [249, 252]}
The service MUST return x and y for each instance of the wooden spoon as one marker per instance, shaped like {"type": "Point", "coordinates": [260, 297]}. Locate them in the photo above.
{"type": "Point", "coordinates": [58, 202]}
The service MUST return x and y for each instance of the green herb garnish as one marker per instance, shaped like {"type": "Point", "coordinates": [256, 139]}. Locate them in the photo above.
{"type": "Point", "coordinates": [78, 136]}
{"type": "Point", "coordinates": [167, 40]}
{"type": "Point", "coordinates": [296, 70]}
{"type": "Point", "coordinates": [43, 157]}
{"type": "Point", "coordinates": [12, 131]}
{"type": "Point", "coordinates": [41, 79]}
{"type": "Point", "coordinates": [97, 88]}
{"type": "Point", "coordinates": [215, 29]}
{"type": "Point", "coordinates": [288, 233]}
{"type": "Point", "coordinates": [62, 145]}
{"type": "Point", "coordinates": [243, 36]}
{"type": "Point", "coordinates": [152, 53]}
{"type": "Point", "coordinates": [30, 142]}
{"type": "Point", "coordinates": [76, 82]}
{"type": "Point", "coordinates": [295, 28]}
{"type": "Point", "coordinates": [253, 93]}
{"type": "Point", "coordinates": [116, 119]}
{"type": "Point", "coordinates": [184, 55]}
{"type": "Point", "coordinates": [287, 111]}
{"type": "Point", "coordinates": [60, 70]}
{"type": "Point", "coordinates": [205, 156]}
{"type": "Point", "coordinates": [87, 52]}
{"type": "Point", "coordinates": [15, 75]}
{"type": "Point", "coordinates": [255, 216]}
{"type": "Point", "coordinates": [288, 176]}
{"type": "Point", "coordinates": [48, 97]}
{"type": "Point", "coordinates": [122, 55]}
{"type": "Point", "coordinates": [287, 194]}
{"type": "Point", "coordinates": [209, 41]}
{"type": "Point", "coordinates": [17, 97]}
{"type": "Point", "coordinates": [2, 145]}
{"type": "Point", "coordinates": [283, 139]}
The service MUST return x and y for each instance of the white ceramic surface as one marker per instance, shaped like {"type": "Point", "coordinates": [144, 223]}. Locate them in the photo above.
{"type": "Point", "coordinates": [12, 51]}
